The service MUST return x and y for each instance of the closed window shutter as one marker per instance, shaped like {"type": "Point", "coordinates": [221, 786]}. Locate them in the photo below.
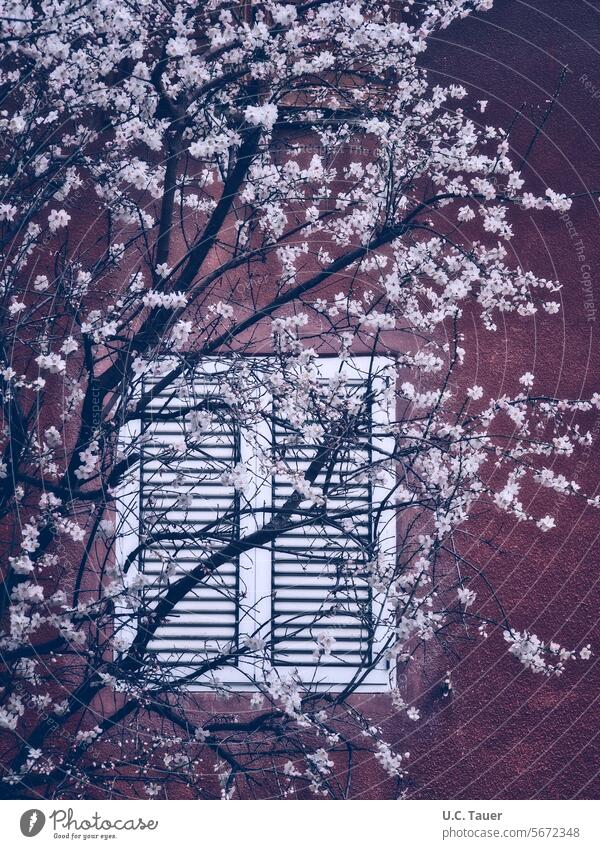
{"type": "Point", "coordinates": [319, 589]}
{"type": "Point", "coordinates": [186, 513]}
{"type": "Point", "coordinates": [309, 583]}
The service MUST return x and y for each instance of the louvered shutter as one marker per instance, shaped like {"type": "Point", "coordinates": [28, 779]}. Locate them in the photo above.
{"type": "Point", "coordinates": [316, 575]}
{"type": "Point", "coordinates": [182, 497]}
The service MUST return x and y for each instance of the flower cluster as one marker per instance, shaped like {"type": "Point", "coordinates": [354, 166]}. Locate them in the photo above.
{"type": "Point", "coordinates": [225, 460]}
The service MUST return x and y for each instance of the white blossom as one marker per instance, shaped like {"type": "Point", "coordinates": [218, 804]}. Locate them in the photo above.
{"type": "Point", "coordinates": [58, 218]}
{"type": "Point", "coordinates": [265, 115]}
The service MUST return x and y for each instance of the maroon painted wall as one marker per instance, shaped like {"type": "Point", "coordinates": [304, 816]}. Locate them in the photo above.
{"type": "Point", "coordinates": [506, 733]}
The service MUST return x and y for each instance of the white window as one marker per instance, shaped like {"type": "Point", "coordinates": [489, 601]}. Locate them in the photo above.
{"type": "Point", "coordinates": [294, 590]}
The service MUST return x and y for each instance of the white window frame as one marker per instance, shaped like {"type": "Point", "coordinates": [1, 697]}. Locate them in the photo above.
{"type": "Point", "coordinates": [257, 563]}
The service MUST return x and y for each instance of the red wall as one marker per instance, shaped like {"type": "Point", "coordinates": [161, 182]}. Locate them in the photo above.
{"type": "Point", "coordinates": [506, 733]}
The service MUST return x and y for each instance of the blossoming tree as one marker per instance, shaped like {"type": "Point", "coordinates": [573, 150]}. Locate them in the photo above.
{"type": "Point", "coordinates": [238, 243]}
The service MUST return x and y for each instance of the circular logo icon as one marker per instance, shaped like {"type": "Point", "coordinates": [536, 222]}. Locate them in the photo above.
{"type": "Point", "coordinates": [32, 822]}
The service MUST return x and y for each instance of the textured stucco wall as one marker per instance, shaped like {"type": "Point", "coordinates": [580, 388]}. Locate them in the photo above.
{"type": "Point", "coordinates": [506, 733]}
